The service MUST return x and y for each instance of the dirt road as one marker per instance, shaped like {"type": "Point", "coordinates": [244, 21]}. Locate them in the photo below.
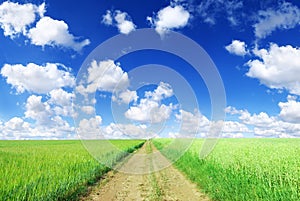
{"type": "Point", "coordinates": [147, 183]}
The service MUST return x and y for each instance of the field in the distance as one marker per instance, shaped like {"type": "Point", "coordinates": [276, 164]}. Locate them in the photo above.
{"type": "Point", "coordinates": [243, 169]}
{"type": "Point", "coordinates": [51, 170]}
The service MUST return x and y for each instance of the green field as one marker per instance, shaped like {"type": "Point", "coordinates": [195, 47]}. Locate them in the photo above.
{"type": "Point", "coordinates": [243, 169]}
{"type": "Point", "coordinates": [53, 170]}
{"type": "Point", "coordinates": [237, 169]}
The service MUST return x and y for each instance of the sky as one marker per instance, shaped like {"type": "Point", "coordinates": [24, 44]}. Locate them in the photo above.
{"type": "Point", "coordinates": [57, 83]}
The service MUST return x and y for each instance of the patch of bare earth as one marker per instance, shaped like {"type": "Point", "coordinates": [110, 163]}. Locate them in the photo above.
{"type": "Point", "coordinates": [144, 177]}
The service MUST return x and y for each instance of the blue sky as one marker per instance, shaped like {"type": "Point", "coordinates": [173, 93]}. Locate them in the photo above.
{"type": "Point", "coordinates": [253, 44]}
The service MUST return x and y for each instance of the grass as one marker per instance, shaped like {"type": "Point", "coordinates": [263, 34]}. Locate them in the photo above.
{"type": "Point", "coordinates": [244, 169]}
{"type": "Point", "coordinates": [53, 170]}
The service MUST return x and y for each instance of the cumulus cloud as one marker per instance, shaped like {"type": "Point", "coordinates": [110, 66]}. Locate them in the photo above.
{"type": "Point", "coordinates": [163, 90]}
{"type": "Point", "coordinates": [127, 131]}
{"type": "Point", "coordinates": [38, 110]}
{"type": "Point", "coordinates": [15, 128]}
{"type": "Point", "coordinates": [126, 96]}
{"type": "Point", "coordinates": [234, 129]}
{"type": "Point", "coordinates": [90, 128]}
{"type": "Point", "coordinates": [286, 16]}
{"type": "Point", "coordinates": [88, 109]}
{"type": "Point", "coordinates": [192, 124]}
{"type": "Point", "coordinates": [266, 125]}
{"type": "Point", "coordinates": [46, 123]}
{"type": "Point", "coordinates": [279, 129]}
{"type": "Point", "coordinates": [43, 118]}
{"type": "Point", "coordinates": [107, 19]}
{"type": "Point", "coordinates": [261, 120]}
{"type": "Point", "coordinates": [54, 33]}
{"type": "Point", "coordinates": [277, 67]}
{"type": "Point", "coordinates": [149, 111]}
{"type": "Point", "coordinates": [124, 25]}
{"type": "Point", "coordinates": [18, 19]}
{"type": "Point", "coordinates": [237, 47]}
{"type": "Point", "coordinates": [60, 97]}
{"type": "Point", "coordinates": [150, 108]}
{"type": "Point", "coordinates": [170, 17]}
{"type": "Point", "coordinates": [290, 110]}
{"type": "Point", "coordinates": [119, 19]}
{"type": "Point", "coordinates": [61, 102]}
{"type": "Point", "coordinates": [15, 18]}
{"type": "Point", "coordinates": [37, 79]}
{"type": "Point", "coordinates": [104, 76]}
{"type": "Point", "coordinates": [47, 113]}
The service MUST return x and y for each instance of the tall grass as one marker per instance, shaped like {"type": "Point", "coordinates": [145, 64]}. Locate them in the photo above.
{"type": "Point", "coordinates": [51, 170]}
{"type": "Point", "coordinates": [245, 169]}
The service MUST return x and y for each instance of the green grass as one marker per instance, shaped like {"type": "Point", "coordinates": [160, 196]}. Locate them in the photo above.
{"type": "Point", "coordinates": [244, 169]}
{"type": "Point", "coordinates": [53, 170]}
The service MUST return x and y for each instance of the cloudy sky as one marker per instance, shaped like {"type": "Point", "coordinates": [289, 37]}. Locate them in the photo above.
{"type": "Point", "coordinates": [254, 45]}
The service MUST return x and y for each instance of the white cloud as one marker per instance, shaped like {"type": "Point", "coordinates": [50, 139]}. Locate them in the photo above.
{"type": "Point", "coordinates": [47, 113]}
{"type": "Point", "coordinates": [16, 124]}
{"type": "Point", "coordinates": [234, 129]}
{"type": "Point", "coordinates": [124, 25]}
{"type": "Point", "coordinates": [38, 79]}
{"type": "Point", "coordinates": [88, 109]}
{"type": "Point", "coordinates": [107, 19]}
{"type": "Point", "coordinates": [277, 67]}
{"type": "Point", "coordinates": [192, 124]}
{"type": "Point", "coordinates": [104, 76]}
{"type": "Point", "coordinates": [47, 122]}
{"type": "Point", "coordinates": [170, 17]}
{"type": "Point", "coordinates": [54, 33]}
{"type": "Point", "coordinates": [261, 120]}
{"type": "Point", "coordinates": [150, 109]}
{"type": "Point", "coordinates": [38, 110]}
{"type": "Point", "coordinates": [286, 16]}
{"type": "Point", "coordinates": [119, 19]}
{"type": "Point", "coordinates": [90, 128]}
{"type": "Point", "coordinates": [126, 97]}
{"type": "Point", "coordinates": [15, 18]}
{"type": "Point", "coordinates": [61, 97]}
{"type": "Point", "coordinates": [163, 90]}
{"type": "Point", "coordinates": [127, 131]}
{"type": "Point", "coordinates": [290, 110]}
{"type": "Point", "coordinates": [62, 102]}
{"type": "Point", "coordinates": [15, 128]}
{"type": "Point", "coordinates": [232, 135]}
{"type": "Point", "coordinates": [18, 19]}
{"type": "Point", "coordinates": [237, 47]}
{"type": "Point", "coordinates": [209, 10]}
{"type": "Point", "coordinates": [265, 125]}
{"type": "Point", "coordinates": [279, 129]}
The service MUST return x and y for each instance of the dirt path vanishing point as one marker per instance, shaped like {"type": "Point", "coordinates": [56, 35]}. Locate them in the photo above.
{"type": "Point", "coordinates": [166, 184]}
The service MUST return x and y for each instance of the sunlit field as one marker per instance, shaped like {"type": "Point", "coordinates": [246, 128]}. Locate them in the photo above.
{"type": "Point", "coordinates": [244, 169]}
{"type": "Point", "coordinates": [52, 170]}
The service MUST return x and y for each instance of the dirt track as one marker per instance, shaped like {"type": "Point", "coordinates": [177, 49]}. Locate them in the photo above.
{"type": "Point", "coordinates": [146, 184]}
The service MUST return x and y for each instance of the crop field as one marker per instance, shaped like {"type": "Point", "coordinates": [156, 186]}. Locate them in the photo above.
{"type": "Point", "coordinates": [52, 170]}
{"type": "Point", "coordinates": [244, 169]}
{"type": "Point", "coordinates": [237, 169]}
